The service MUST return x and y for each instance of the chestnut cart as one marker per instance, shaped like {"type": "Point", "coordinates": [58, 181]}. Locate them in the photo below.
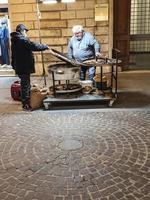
{"type": "Point", "coordinates": [66, 89]}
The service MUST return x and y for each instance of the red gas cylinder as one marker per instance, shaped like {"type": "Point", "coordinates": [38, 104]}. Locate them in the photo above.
{"type": "Point", "coordinates": [16, 91]}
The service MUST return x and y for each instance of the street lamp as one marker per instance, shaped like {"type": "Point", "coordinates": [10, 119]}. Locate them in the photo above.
{"type": "Point", "coordinates": [49, 2]}
{"type": "Point", "coordinates": [67, 1]}
{"type": "Point", "coordinates": [57, 1]}
{"type": "Point", "coordinates": [3, 1]}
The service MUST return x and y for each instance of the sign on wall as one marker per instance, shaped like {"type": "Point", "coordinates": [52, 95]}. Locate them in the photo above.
{"type": "Point", "coordinates": [101, 12]}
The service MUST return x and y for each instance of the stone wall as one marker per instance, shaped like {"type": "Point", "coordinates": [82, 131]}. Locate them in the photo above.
{"type": "Point", "coordinates": [56, 23]}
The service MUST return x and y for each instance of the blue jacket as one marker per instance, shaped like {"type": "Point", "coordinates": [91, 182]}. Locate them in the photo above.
{"type": "Point", "coordinates": [83, 49]}
{"type": "Point", "coordinates": [21, 51]}
{"type": "Point", "coordinates": [4, 43]}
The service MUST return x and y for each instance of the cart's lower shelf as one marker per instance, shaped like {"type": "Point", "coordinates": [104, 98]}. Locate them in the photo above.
{"type": "Point", "coordinates": [82, 100]}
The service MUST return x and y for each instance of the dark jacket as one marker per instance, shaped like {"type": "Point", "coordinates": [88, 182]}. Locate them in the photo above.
{"type": "Point", "coordinates": [21, 51]}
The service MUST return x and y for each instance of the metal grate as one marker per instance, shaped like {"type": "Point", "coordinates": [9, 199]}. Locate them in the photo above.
{"type": "Point", "coordinates": [139, 31]}
{"type": "Point", "coordinates": [140, 17]}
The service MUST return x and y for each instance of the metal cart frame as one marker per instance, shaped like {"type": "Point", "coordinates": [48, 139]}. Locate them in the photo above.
{"type": "Point", "coordinates": [112, 89]}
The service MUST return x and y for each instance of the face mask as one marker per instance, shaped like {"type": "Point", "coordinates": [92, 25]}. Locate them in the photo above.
{"type": "Point", "coordinates": [24, 33]}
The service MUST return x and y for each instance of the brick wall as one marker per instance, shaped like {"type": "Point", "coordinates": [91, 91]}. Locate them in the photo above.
{"type": "Point", "coordinates": [56, 24]}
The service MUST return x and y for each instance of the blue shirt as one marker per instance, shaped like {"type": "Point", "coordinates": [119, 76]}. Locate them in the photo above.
{"type": "Point", "coordinates": [83, 49]}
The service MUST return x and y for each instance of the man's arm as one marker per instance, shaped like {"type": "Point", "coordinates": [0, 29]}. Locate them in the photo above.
{"type": "Point", "coordinates": [33, 46]}
{"type": "Point", "coordinates": [95, 44]}
{"type": "Point", "coordinates": [70, 50]}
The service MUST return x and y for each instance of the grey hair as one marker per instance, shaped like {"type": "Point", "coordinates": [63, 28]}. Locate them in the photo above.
{"type": "Point", "coordinates": [77, 28]}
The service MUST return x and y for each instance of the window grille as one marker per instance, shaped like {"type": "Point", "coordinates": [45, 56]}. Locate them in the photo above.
{"type": "Point", "coordinates": [139, 29]}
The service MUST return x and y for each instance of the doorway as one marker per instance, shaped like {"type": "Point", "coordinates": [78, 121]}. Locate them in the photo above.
{"type": "Point", "coordinates": [121, 30]}
{"type": "Point", "coordinates": [140, 35]}
{"type": "Point", "coordinates": [131, 34]}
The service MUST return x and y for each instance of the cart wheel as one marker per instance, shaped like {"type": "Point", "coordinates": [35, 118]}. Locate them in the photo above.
{"type": "Point", "coordinates": [110, 104]}
{"type": "Point", "coordinates": [46, 105]}
{"type": "Point", "coordinates": [116, 96]}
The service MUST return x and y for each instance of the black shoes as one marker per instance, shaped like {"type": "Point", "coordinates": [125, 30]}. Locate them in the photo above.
{"type": "Point", "coordinates": [27, 107]}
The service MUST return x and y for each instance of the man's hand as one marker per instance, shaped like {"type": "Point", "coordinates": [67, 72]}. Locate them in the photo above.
{"type": "Point", "coordinates": [98, 55]}
{"type": "Point", "coordinates": [73, 62]}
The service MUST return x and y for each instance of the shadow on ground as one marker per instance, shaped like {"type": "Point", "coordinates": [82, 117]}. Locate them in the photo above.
{"type": "Point", "coordinates": [132, 99]}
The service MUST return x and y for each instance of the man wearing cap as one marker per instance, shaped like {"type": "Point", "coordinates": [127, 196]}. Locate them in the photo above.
{"type": "Point", "coordinates": [83, 46]}
{"type": "Point", "coordinates": [23, 61]}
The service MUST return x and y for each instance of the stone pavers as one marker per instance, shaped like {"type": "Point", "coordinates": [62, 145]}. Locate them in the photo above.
{"type": "Point", "coordinates": [75, 155]}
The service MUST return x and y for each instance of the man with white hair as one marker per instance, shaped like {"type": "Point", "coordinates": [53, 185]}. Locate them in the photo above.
{"type": "Point", "coordinates": [83, 46]}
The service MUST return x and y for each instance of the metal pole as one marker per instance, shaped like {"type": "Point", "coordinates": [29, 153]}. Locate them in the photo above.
{"type": "Point", "coordinates": [39, 32]}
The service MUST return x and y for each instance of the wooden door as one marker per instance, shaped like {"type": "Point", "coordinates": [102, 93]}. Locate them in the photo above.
{"type": "Point", "coordinates": [121, 29]}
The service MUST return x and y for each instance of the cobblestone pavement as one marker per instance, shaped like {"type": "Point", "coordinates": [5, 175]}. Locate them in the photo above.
{"type": "Point", "coordinates": [75, 155]}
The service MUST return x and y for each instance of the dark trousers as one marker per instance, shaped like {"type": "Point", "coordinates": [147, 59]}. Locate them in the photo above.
{"type": "Point", "coordinates": [25, 88]}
